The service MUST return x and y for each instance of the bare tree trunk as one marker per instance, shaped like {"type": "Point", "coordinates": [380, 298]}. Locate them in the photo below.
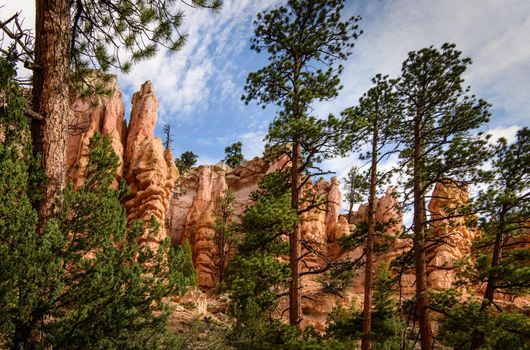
{"type": "Point", "coordinates": [368, 269]}
{"type": "Point", "coordinates": [51, 98]}
{"type": "Point", "coordinates": [294, 241]}
{"type": "Point", "coordinates": [422, 299]}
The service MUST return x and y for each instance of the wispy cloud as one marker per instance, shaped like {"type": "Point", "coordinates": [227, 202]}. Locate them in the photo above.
{"type": "Point", "coordinates": [204, 70]}
{"type": "Point", "coordinates": [494, 33]}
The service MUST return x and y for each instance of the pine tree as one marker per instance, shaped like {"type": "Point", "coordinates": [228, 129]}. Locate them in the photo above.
{"type": "Point", "coordinates": [501, 254]}
{"type": "Point", "coordinates": [304, 40]}
{"type": "Point", "coordinates": [255, 276]}
{"type": "Point", "coordinates": [233, 155]}
{"type": "Point", "coordinates": [355, 187]}
{"type": "Point", "coordinates": [186, 161]}
{"type": "Point", "coordinates": [374, 121]}
{"type": "Point", "coordinates": [84, 281]}
{"type": "Point", "coordinates": [25, 263]}
{"type": "Point", "coordinates": [225, 237]}
{"type": "Point", "coordinates": [437, 120]}
{"type": "Point", "coordinates": [346, 325]}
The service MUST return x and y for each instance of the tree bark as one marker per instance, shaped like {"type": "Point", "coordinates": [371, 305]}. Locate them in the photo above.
{"type": "Point", "coordinates": [368, 270]}
{"type": "Point", "coordinates": [51, 97]}
{"type": "Point", "coordinates": [422, 299]}
{"type": "Point", "coordinates": [477, 338]}
{"type": "Point", "coordinates": [294, 241]}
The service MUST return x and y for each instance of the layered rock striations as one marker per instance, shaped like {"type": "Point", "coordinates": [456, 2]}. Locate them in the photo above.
{"type": "Point", "coordinates": [148, 169]}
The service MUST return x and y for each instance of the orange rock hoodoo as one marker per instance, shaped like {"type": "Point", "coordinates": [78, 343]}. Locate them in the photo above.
{"type": "Point", "coordinates": [148, 169]}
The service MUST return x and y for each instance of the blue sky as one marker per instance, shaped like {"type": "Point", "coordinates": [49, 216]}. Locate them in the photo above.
{"type": "Point", "coordinates": [199, 88]}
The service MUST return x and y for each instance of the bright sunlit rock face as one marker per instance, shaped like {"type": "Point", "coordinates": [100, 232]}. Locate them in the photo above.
{"type": "Point", "coordinates": [146, 166]}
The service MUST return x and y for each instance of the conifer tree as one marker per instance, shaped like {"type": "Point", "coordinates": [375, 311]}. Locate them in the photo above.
{"type": "Point", "coordinates": [303, 40]}
{"type": "Point", "coordinates": [437, 120]}
{"type": "Point", "coordinates": [225, 229]}
{"type": "Point", "coordinates": [374, 121]}
{"type": "Point", "coordinates": [233, 155]}
{"type": "Point", "coordinates": [355, 188]}
{"type": "Point", "coordinates": [186, 161]}
{"type": "Point", "coordinates": [84, 281]}
{"type": "Point", "coordinates": [255, 276]}
{"type": "Point", "coordinates": [501, 254]}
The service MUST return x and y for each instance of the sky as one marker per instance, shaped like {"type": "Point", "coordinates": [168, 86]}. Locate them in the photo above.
{"type": "Point", "coordinates": [199, 87]}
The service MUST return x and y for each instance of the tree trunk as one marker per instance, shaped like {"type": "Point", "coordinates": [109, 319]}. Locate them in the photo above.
{"type": "Point", "coordinates": [350, 212]}
{"type": "Point", "coordinates": [22, 338]}
{"type": "Point", "coordinates": [477, 339]}
{"type": "Point", "coordinates": [368, 270]}
{"type": "Point", "coordinates": [51, 97]}
{"type": "Point", "coordinates": [422, 299]}
{"type": "Point", "coordinates": [294, 241]}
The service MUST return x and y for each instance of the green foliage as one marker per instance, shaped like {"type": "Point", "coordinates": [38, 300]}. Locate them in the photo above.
{"type": "Point", "coordinates": [502, 330]}
{"type": "Point", "coordinates": [88, 281]}
{"type": "Point", "coordinates": [383, 237]}
{"type": "Point", "coordinates": [270, 219]}
{"type": "Point", "coordinates": [117, 283]}
{"type": "Point", "coordinates": [233, 155]}
{"type": "Point", "coordinates": [504, 206]}
{"type": "Point", "coordinates": [356, 187]}
{"type": "Point", "coordinates": [433, 97]}
{"type": "Point", "coordinates": [303, 40]}
{"type": "Point", "coordinates": [186, 161]}
{"type": "Point", "coordinates": [255, 333]}
{"type": "Point", "coordinates": [375, 120]}
{"type": "Point", "coordinates": [256, 276]}
{"type": "Point", "coordinates": [92, 284]}
{"type": "Point", "coordinates": [339, 276]}
{"type": "Point", "coordinates": [24, 256]}
{"type": "Point", "coordinates": [116, 34]}
{"type": "Point", "coordinates": [387, 328]}
{"type": "Point", "coordinates": [226, 229]}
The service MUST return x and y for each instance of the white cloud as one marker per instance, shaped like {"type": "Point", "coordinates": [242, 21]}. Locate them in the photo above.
{"type": "Point", "coordinates": [493, 33]}
{"type": "Point", "coordinates": [253, 144]}
{"type": "Point", "coordinates": [508, 133]}
{"type": "Point", "coordinates": [183, 80]}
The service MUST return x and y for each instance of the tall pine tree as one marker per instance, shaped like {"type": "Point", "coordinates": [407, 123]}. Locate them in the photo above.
{"type": "Point", "coordinates": [303, 40]}
{"type": "Point", "coordinates": [437, 121]}
{"type": "Point", "coordinates": [374, 121]}
{"type": "Point", "coordinates": [501, 254]}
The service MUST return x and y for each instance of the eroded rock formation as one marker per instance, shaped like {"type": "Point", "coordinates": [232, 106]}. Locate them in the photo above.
{"type": "Point", "coordinates": [96, 114]}
{"type": "Point", "coordinates": [190, 215]}
{"type": "Point", "coordinates": [148, 169]}
{"type": "Point", "coordinates": [451, 238]}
